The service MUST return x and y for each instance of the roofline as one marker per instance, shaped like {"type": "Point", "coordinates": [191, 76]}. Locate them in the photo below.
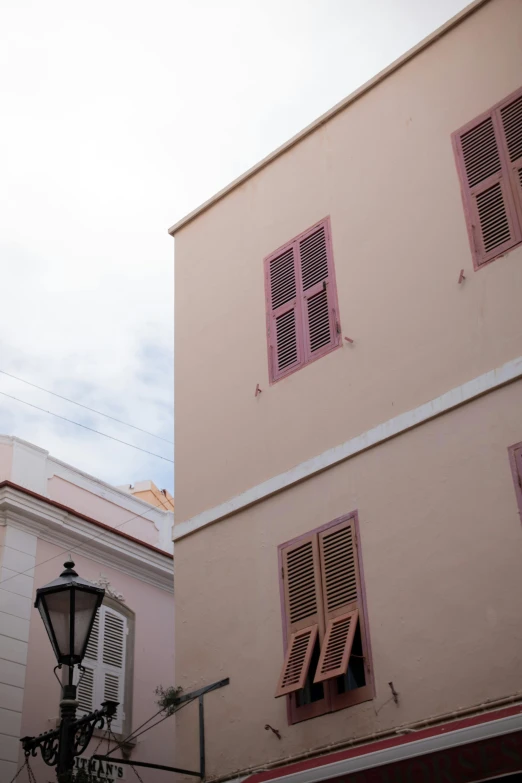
{"type": "Point", "coordinates": [324, 118]}
{"type": "Point", "coordinates": [75, 513]}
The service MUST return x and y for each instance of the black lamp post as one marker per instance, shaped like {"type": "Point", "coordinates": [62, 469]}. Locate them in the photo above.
{"type": "Point", "coordinates": [68, 607]}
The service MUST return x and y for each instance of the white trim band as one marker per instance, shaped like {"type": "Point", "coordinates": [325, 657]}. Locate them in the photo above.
{"type": "Point", "coordinates": [452, 399]}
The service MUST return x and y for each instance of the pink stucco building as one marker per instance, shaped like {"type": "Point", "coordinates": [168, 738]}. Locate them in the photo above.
{"type": "Point", "coordinates": [49, 509]}
{"type": "Point", "coordinates": [348, 408]}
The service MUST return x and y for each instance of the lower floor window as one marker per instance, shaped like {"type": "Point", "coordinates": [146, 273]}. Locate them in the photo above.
{"type": "Point", "coordinates": [327, 663]}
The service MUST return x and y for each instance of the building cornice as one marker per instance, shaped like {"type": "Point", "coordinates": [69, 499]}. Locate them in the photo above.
{"type": "Point", "coordinates": [331, 113]}
{"type": "Point", "coordinates": [72, 531]}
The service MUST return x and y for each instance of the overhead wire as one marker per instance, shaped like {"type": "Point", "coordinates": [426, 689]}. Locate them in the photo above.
{"type": "Point", "coordinates": [133, 735]}
{"type": "Point", "coordinates": [77, 548]}
{"type": "Point", "coordinates": [85, 427]}
{"type": "Point", "coordinates": [81, 405]}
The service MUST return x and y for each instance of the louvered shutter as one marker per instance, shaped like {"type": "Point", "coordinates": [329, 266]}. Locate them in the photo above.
{"type": "Point", "coordinates": [86, 681]}
{"type": "Point", "coordinates": [486, 189]}
{"type": "Point", "coordinates": [283, 312]}
{"type": "Point", "coordinates": [510, 116]}
{"type": "Point", "coordinates": [317, 283]}
{"type": "Point", "coordinates": [302, 591]}
{"type": "Point", "coordinates": [518, 464]}
{"type": "Point", "coordinates": [86, 688]}
{"type": "Point", "coordinates": [91, 651]}
{"type": "Point", "coordinates": [341, 596]}
{"type": "Point", "coordinates": [111, 666]}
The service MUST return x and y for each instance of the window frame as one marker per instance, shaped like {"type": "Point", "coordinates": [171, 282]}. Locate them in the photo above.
{"type": "Point", "coordinates": [332, 701]}
{"type": "Point", "coordinates": [515, 461]}
{"type": "Point", "coordinates": [302, 338]}
{"type": "Point", "coordinates": [128, 679]}
{"type": "Point", "coordinates": [513, 204]}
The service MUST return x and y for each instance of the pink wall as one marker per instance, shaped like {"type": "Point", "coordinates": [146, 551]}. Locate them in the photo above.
{"type": "Point", "coordinates": [106, 511]}
{"type": "Point", "coordinates": [384, 171]}
{"type": "Point", "coordinates": [153, 658]}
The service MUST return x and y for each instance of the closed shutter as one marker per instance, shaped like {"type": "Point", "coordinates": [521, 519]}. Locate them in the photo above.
{"type": "Point", "coordinates": [341, 597]}
{"type": "Point", "coordinates": [322, 330]}
{"type": "Point", "coordinates": [511, 122]}
{"type": "Point", "coordinates": [518, 465]}
{"type": "Point", "coordinates": [104, 662]}
{"type": "Point", "coordinates": [301, 301]}
{"type": "Point", "coordinates": [486, 189]}
{"type": "Point", "coordinates": [283, 313]}
{"type": "Point", "coordinates": [86, 681]}
{"type": "Point", "coordinates": [302, 591]}
{"type": "Point", "coordinates": [112, 664]}
{"type": "Point", "coordinates": [91, 651]}
{"type": "Point", "coordinates": [85, 688]}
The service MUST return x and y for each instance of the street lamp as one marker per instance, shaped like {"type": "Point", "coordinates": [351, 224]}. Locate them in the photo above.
{"type": "Point", "coordinates": [68, 607]}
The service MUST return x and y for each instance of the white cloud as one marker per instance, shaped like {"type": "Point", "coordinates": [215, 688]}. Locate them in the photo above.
{"type": "Point", "coordinates": [119, 117]}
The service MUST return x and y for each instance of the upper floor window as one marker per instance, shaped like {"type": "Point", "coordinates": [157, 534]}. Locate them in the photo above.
{"type": "Point", "coordinates": [327, 664]}
{"type": "Point", "coordinates": [106, 663]}
{"type": "Point", "coordinates": [515, 456]}
{"type": "Point", "coordinates": [489, 161]}
{"type": "Point", "coordinates": [301, 302]}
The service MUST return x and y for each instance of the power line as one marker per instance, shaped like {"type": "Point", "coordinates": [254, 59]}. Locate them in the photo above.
{"type": "Point", "coordinates": [77, 548]}
{"type": "Point", "coordinates": [133, 735]}
{"type": "Point", "coordinates": [81, 405]}
{"type": "Point", "coordinates": [85, 427]}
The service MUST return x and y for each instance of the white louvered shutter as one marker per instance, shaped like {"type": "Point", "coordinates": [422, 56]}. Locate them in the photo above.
{"type": "Point", "coordinates": [111, 662]}
{"type": "Point", "coordinates": [86, 682]}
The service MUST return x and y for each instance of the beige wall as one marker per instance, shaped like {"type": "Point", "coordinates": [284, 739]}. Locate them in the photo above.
{"type": "Point", "coordinates": [441, 543]}
{"type": "Point", "coordinates": [384, 171]}
{"type": "Point", "coordinates": [441, 536]}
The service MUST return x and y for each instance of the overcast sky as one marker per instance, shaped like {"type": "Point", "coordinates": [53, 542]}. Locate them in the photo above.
{"type": "Point", "coordinates": [117, 118]}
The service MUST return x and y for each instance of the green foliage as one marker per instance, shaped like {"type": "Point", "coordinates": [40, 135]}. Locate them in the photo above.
{"type": "Point", "coordinates": [168, 698]}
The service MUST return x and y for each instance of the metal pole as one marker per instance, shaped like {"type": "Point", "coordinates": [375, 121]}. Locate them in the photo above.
{"type": "Point", "coordinates": [68, 705]}
{"type": "Point", "coordinates": [201, 739]}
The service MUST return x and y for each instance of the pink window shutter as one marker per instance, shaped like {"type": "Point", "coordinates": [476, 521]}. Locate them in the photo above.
{"type": "Point", "coordinates": [515, 458]}
{"type": "Point", "coordinates": [316, 276]}
{"type": "Point", "coordinates": [510, 119]}
{"type": "Point", "coordinates": [284, 323]}
{"type": "Point", "coordinates": [489, 205]}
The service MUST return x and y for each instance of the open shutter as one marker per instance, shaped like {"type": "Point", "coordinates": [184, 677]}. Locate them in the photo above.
{"type": "Point", "coordinates": [302, 591]}
{"type": "Point", "coordinates": [317, 281]}
{"type": "Point", "coordinates": [486, 189]}
{"type": "Point", "coordinates": [284, 317]}
{"type": "Point", "coordinates": [112, 664]}
{"type": "Point", "coordinates": [511, 122]}
{"type": "Point", "coordinates": [341, 592]}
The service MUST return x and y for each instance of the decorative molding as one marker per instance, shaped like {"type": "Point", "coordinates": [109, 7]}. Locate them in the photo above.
{"type": "Point", "coordinates": [70, 532]}
{"type": "Point", "coordinates": [460, 395]}
{"type": "Point", "coordinates": [103, 581]}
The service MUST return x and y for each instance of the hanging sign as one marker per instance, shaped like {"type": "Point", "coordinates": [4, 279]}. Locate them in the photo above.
{"type": "Point", "coordinates": [106, 771]}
